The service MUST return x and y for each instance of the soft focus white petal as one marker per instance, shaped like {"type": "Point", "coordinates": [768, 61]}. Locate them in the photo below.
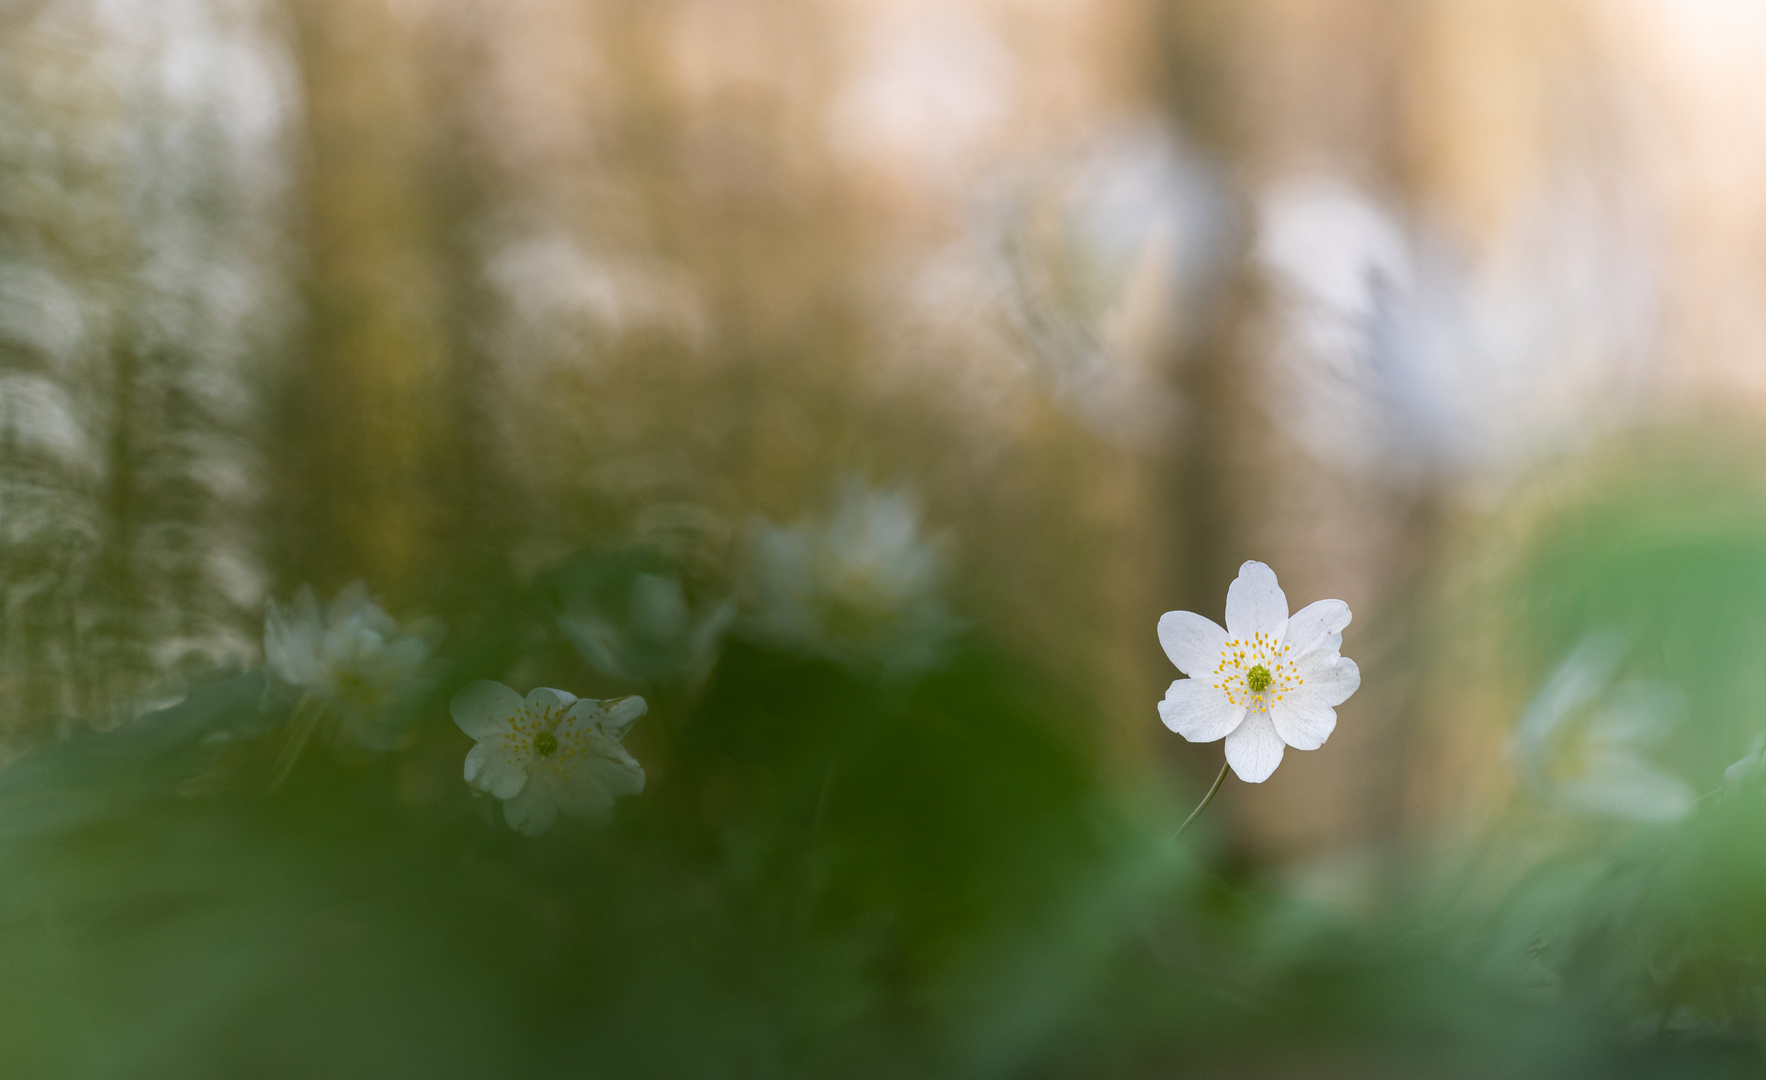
{"type": "Point", "coordinates": [484, 708]}
{"type": "Point", "coordinates": [585, 715]}
{"type": "Point", "coordinates": [611, 718]}
{"type": "Point", "coordinates": [306, 607]}
{"type": "Point", "coordinates": [1748, 766]}
{"type": "Point", "coordinates": [531, 812]}
{"type": "Point", "coordinates": [861, 588]}
{"type": "Point", "coordinates": [544, 697]}
{"type": "Point", "coordinates": [621, 714]}
{"type": "Point", "coordinates": [615, 766]}
{"type": "Point", "coordinates": [1576, 683]}
{"type": "Point", "coordinates": [291, 641]}
{"type": "Point", "coordinates": [1193, 642]}
{"type": "Point", "coordinates": [1317, 624]}
{"type": "Point", "coordinates": [353, 610]}
{"type": "Point", "coordinates": [1254, 749]}
{"type": "Point", "coordinates": [1303, 723]}
{"type": "Point", "coordinates": [491, 767]}
{"type": "Point", "coordinates": [1199, 712]}
{"type": "Point", "coordinates": [584, 797]}
{"type": "Point", "coordinates": [348, 601]}
{"type": "Point", "coordinates": [659, 611]}
{"type": "Point", "coordinates": [705, 636]}
{"type": "Point", "coordinates": [1623, 785]}
{"type": "Point", "coordinates": [1638, 712]}
{"type": "Point", "coordinates": [277, 645]}
{"type": "Point", "coordinates": [597, 640]}
{"type": "Point", "coordinates": [1255, 603]}
{"type": "Point", "coordinates": [1736, 774]}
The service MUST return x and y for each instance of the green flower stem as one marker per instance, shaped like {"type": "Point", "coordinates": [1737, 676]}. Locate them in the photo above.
{"type": "Point", "coordinates": [301, 725]}
{"type": "Point", "coordinates": [1206, 799]}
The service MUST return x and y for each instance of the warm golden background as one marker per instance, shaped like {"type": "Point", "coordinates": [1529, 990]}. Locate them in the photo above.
{"type": "Point", "coordinates": [431, 292]}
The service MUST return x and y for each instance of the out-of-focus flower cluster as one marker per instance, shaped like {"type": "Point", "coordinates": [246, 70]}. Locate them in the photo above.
{"type": "Point", "coordinates": [861, 588]}
{"type": "Point", "coordinates": [353, 656]}
{"type": "Point", "coordinates": [1582, 744]}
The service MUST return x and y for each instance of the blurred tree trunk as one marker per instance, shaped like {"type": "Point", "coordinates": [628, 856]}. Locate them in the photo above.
{"type": "Point", "coordinates": [1210, 470]}
{"type": "Point", "coordinates": [1281, 89]}
{"type": "Point", "coordinates": [368, 408]}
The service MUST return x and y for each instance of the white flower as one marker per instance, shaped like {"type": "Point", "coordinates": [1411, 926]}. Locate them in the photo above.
{"type": "Point", "coordinates": [662, 637]}
{"type": "Point", "coordinates": [861, 588]}
{"type": "Point", "coordinates": [550, 752]}
{"type": "Point", "coordinates": [1264, 683]}
{"type": "Point", "coordinates": [353, 654]}
{"type": "Point", "coordinates": [1579, 742]}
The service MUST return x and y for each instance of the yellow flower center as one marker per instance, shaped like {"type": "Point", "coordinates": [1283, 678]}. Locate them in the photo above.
{"type": "Point", "coordinates": [545, 744]}
{"type": "Point", "coordinates": [1256, 671]}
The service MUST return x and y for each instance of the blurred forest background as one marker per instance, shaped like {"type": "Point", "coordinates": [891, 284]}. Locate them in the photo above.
{"type": "Point", "coordinates": [1452, 311]}
{"type": "Point", "coordinates": [429, 293]}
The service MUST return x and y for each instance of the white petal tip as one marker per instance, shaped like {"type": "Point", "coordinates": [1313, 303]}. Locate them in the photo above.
{"type": "Point", "coordinates": [1255, 776]}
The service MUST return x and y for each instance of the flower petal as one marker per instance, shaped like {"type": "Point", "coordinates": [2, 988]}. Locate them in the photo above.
{"type": "Point", "coordinates": [491, 767]}
{"type": "Point", "coordinates": [1254, 749]}
{"type": "Point", "coordinates": [1199, 712]}
{"type": "Point", "coordinates": [1621, 784]}
{"type": "Point", "coordinates": [611, 718]}
{"type": "Point", "coordinates": [1194, 643]}
{"type": "Point", "coordinates": [1326, 679]}
{"type": "Point", "coordinates": [1317, 625]}
{"type": "Point", "coordinates": [584, 798]}
{"type": "Point", "coordinates": [348, 602]}
{"type": "Point", "coordinates": [544, 697]}
{"type": "Point", "coordinates": [484, 708]}
{"type": "Point", "coordinates": [616, 768]}
{"type": "Point", "coordinates": [531, 812]}
{"type": "Point", "coordinates": [622, 713]}
{"type": "Point", "coordinates": [1739, 773]}
{"type": "Point", "coordinates": [1255, 603]}
{"type": "Point", "coordinates": [584, 716]}
{"type": "Point", "coordinates": [1304, 723]}
{"type": "Point", "coordinates": [291, 641]}
{"type": "Point", "coordinates": [587, 792]}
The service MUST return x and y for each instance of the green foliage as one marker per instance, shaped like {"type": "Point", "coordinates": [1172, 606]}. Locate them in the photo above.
{"type": "Point", "coordinates": [833, 872]}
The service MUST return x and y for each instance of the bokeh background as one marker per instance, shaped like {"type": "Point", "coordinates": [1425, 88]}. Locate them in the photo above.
{"type": "Point", "coordinates": [1456, 312]}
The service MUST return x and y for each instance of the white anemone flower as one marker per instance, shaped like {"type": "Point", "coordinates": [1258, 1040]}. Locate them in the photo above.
{"type": "Point", "coordinates": [860, 588]}
{"type": "Point", "coordinates": [1264, 683]}
{"type": "Point", "coordinates": [1580, 742]}
{"type": "Point", "coordinates": [548, 752]}
{"type": "Point", "coordinates": [352, 654]}
{"type": "Point", "coordinates": [662, 637]}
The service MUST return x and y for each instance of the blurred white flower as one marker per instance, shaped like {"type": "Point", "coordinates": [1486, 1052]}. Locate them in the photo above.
{"type": "Point", "coordinates": [1266, 682]}
{"type": "Point", "coordinates": [1579, 744]}
{"type": "Point", "coordinates": [352, 654]}
{"type": "Point", "coordinates": [1747, 769]}
{"type": "Point", "coordinates": [661, 638]}
{"type": "Point", "coordinates": [1399, 348]}
{"type": "Point", "coordinates": [861, 588]}
{"type": "Point", "coordinates": [552, 751]}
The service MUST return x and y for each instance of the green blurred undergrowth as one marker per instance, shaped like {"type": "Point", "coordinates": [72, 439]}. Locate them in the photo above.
{"type": "Point", "coordinates": [834, 871]}
{"type": "Point", "coordinates": [842, 869]}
